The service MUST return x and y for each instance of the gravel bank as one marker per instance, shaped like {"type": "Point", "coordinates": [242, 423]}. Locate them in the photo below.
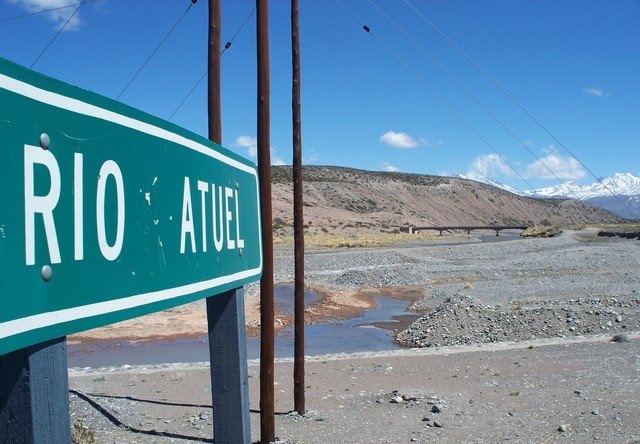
{"type": "Point", "coordinates": [573, 265]}
{"type": "Point", "coordinates": [476, 292]}
{"type": "Point", "coordinates": [463, 320]}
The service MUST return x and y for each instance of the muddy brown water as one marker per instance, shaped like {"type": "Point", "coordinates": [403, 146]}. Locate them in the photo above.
{"type": "Point", "coordinates": [373, 331]}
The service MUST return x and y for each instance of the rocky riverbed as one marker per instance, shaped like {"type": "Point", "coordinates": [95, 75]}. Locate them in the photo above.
{"type": "Point", "coordinates": [527, 341]}
{"type": "Point", "coordinates": [479, 292]}
{"type": "Point", "coordinates": [464, 320]}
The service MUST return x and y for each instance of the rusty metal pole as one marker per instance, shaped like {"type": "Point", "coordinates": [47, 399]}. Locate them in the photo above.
{"type": "Point", "coordinates": [267, 409]}
{"type": "Point", "coordinates": [215, 112]}
{"type": "Point", "coordinates": [298, 229]}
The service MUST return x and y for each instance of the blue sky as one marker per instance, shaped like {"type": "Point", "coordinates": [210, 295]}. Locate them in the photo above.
{"type": "Point", "coordinates": [574, 65]}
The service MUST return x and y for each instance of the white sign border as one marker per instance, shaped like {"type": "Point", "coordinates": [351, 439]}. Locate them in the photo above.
{"type": "Point", "coordinates": [48, 319]}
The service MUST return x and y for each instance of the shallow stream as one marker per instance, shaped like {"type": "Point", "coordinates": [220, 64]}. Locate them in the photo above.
{"type": "Point", "coordinates": [370, 332]}
{"type": "Point", "coordinates": [373, 331]}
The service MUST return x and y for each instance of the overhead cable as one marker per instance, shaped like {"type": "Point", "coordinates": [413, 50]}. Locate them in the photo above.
{"type": "Point", "coordinates": [43, 11]}
{"type": "Point", "coordinates": [466, 90]}
{"type": "Point", "coordinates": [226, 46]}
{"type": "Point", "coordinates": [53, 39]}
{"type": "Point", "coordinates": [191, 3]}
{"type": "Point", "coordinates": [432, 90]}
{"type": "Point", "coordinates": [519, 105]}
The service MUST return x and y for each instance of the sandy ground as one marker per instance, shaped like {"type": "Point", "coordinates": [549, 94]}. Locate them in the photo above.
{"type": "Point", "coordinates": [511, 392]}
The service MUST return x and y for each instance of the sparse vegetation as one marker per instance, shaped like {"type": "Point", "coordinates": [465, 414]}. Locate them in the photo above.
{"type": "Point", "coordinates": [620, 337]}
{"type": "Point", "coordinates": [80, 434]}
{"type": "Point", "coordinates": [352, 241]}
{"type": "Point", "coordinates": [544, 231]}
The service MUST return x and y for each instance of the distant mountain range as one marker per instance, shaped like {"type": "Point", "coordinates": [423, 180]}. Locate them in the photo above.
{"type": "Point", "coordinates": [619, 194]}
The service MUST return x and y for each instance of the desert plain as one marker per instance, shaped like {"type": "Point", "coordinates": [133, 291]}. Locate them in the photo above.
{"type": "Point", "coordinates": [514, 343]}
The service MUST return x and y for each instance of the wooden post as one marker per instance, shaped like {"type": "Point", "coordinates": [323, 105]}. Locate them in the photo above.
{"type": "Point", "coordinates": [267, 402]}
{"type": "Point", "coordinates": [225, 312]}
{"type": "Point", "coordinates": [34, 394]}
{"type": "Point", "coordinates": [229, 379]}
{"type": "Point", "coordinates": [213, 72]}
{"type": "Point", "coordinates": [298, 218]}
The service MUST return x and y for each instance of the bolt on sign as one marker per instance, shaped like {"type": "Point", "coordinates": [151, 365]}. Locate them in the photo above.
{"type": "Point", "coordinates": [108, 213]}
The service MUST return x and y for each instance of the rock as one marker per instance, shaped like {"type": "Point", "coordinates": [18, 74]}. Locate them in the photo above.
{"type": "Point", "coordinates": [426, 418]}
{"type": "Point", "coordinates": [463, 320]}
{"type": "Point", "coordinates": [437, 424]}
{"type": "Point", "coordinates": [437, 408]}
{"type": "Point", "coordinates": [562, 428]}
{"type": "Point", "coordinates": [396, 400]}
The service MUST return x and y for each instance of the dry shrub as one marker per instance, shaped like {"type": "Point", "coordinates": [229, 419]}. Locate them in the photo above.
{"type": "Point", "coordinates": [81, 434]}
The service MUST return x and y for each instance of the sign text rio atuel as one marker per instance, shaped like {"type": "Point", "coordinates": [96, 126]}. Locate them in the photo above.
{"type": "Point", "coordinates": [107, 213]}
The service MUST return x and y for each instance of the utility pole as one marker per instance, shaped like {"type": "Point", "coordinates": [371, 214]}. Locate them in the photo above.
{"type": "Point", "coordinates": [298, 222]}
{"type": "Point", "coordinates": [213, 101]}
{"type": "Point", "coordinates": [267, 410]}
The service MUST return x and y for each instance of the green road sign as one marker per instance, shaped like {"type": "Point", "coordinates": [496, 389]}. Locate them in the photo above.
{"type": "Point", "coordinates": [108, 213]}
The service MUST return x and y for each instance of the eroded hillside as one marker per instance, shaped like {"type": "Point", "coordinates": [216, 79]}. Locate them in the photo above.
{"type": "Point", "coordinates": [350, 201]}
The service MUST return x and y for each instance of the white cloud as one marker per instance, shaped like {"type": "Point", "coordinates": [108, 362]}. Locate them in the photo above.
{"type": "Point", "coordinates": [275, 159]}
{"type": "Point", "coordinates": [309, 156]}
{"type": "Point", "coordinates": [398, 140]}
{"type": "Point", "coordinates": [489, 166]}
{"type": "Point", "coordinates": [565, 168]}
{"type": "Point", "coordinates": [596, 92]}
{"type": "Point", "coordinates": [430, 144]}
{"type": "Point", "coordinates": [389, 168]}
{"type": "Point", "coordinates": [59, 16]}
{"type": "Point", "coordinates": [248, 142]}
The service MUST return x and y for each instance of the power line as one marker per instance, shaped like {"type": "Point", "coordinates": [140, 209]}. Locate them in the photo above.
{"type": "Point", "coordinates": [226, 46]}
{"type": "Point", "coordinates": [519, 105]}
{"type": "Point", "coordinates": [431, 89]}
{"type": "Point", "coordinates": [428, 86]}
{"type": "Point", "coordinates": [42, 11]}
{"type": "Point", "coordinates": [188, 95]}
{"type": "Point", "coordinates": [58, 33]}
{"type": "Point", "coordinates": [230, 42]}
{"type": "Point", "coordinates": [466, 90]}
{"type": "Point", "coordinates": [191, 3]}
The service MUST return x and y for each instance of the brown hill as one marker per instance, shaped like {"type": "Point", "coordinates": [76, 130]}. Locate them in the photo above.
{"type": "Point", "coordinates": [346, 200]}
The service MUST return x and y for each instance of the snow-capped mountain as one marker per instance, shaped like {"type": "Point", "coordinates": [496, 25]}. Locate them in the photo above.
{"type": "Point", "coordinates": [621, 184]}
{"type": "Point", "coordinates": [619, 194]}
{"type": "Point", "coordinates": [491, 182]}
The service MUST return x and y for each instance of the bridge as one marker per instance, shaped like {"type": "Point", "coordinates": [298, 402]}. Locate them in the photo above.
{"type": "Point", "coordinates": [468, 229]}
